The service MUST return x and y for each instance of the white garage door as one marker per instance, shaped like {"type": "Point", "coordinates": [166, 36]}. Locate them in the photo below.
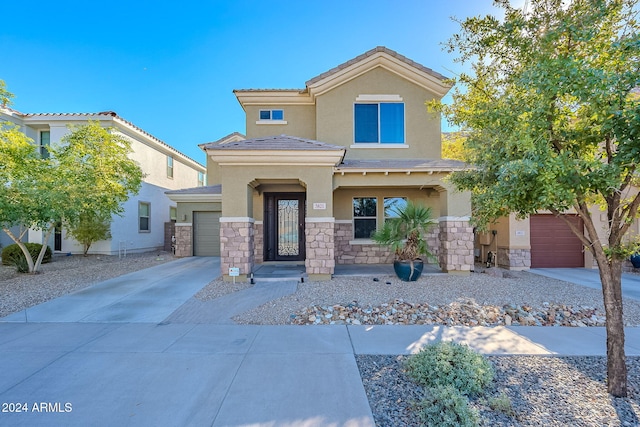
{"type": "Point", "coordinates": [206, 233]}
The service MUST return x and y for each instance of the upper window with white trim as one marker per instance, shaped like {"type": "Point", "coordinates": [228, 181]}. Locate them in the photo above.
{"type": "Point", "coordinates": [169, 167]}
{"type": "Point", "coordinates": [381, 122]}
{"type": "Point", "coordinates": [271, 115]}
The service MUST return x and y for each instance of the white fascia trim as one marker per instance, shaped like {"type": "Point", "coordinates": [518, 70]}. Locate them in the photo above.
{"type": "Point", "coordinates": [454, 218]}
{"type": "Point", "coordinates": [379, 98]}
{"type": "Point", "coordinates": [237, 219]}
{"type": "Point", "coordinates": [271, 122]}
{"type": "Point", "coordinates": [344, 221]}
{"type": "Point", "coordinates": [195, 197]}
{"type": "Point", "coordinates": [184, 224]}
{"type": "Point", "coordinates": [320, 219]}
{"type": "Point", "coordinates": [378, 146]}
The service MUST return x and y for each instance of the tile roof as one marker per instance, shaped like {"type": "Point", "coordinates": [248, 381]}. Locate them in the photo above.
{"type": "Point", "coordinates": [280, 142]}
{"type": "Point", "coordinates": [371, 52]}
{"type": "Point", "coordinates": [402, 164]}
{"type": "Point", "coordinates": [112, 114]}
{"type": "Point", "coordinates": [207, 189]}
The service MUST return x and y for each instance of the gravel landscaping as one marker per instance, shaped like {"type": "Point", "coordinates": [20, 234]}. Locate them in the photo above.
{"type": "Point", "coordinates": [549, 391]}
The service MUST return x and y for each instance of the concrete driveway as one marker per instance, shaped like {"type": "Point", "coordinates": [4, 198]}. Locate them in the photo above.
{"type": "Point", "coordinates": [590, 277]}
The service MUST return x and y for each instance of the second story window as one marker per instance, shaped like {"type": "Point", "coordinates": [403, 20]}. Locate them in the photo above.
{"type": "Point", "coordinates": [45, 142]}
{"type": "Point", "coordinates": [200, 179]}
{"type": "Point", "coordinates": [381, 122]}
{"type": "Point", "coordinates": [169, 167]}
{"type": "Point", "coordinates": [271, 114]}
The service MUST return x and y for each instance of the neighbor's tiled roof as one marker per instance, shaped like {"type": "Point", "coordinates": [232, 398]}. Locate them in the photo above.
{"type": "Point", "coordinates": [225, 138]}
{"type": "Point", "coordinates": [403, 164]}
{"type": "Point", "coordinates": [110, 114]}
{"type": "Point", "coordinates": [208, 189]}
{"type": "Point", "coordinates": [280, 142]}
{"type": "Point", "coordinates": [373, 52]}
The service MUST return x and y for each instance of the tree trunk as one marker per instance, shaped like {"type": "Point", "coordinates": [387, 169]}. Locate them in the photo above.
{"type": "Point", "coordinates": [611, 278]}
{"type": "Point", "coordinates": [23, 248]}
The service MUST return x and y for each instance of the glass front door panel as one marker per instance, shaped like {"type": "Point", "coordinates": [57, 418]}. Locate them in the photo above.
{"type": "Point", "coordinates": [288, 237]}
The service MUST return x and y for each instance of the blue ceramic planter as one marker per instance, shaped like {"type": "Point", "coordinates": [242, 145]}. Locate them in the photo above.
{"type": "Point", "coordinates": [405, 272]}
{"type": "Point", "coordinates": [635, 260]}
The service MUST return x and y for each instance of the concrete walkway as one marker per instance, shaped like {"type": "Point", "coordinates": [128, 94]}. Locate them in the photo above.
{"type": "Point", "coordinates": [139, 355]}
{"type": "Point", "coordinates": [590, 277]}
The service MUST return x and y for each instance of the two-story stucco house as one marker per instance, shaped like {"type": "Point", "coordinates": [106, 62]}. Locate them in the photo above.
{"type": "Point", "coordinates": [312, 177]}
{"type": "Point", "coordinates": [142, 226]}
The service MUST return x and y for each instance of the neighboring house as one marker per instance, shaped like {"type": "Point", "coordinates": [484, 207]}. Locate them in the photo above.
{"type": "Point", "coordinates": [148, 216]}
{"type": "Point", "coordinates": [318, 167]}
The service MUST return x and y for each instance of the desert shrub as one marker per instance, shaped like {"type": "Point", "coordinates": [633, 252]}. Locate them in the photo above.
{"type": "Point", "coordinates": [502, 403]}
{"type": "Point", "coordinates": [12, 254]}
{"type": "Point", "coordinates": [450, 364]}
{"type": "Point", "coordinates": [446, 407]}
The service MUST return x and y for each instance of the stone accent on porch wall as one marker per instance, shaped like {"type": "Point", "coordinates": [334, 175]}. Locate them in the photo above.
{"type": "Point", "coordinates": [258, 242]}
{"type": "Point", "coordinates": [236, 246]}
{"type": "Point", "coordinates": [514, 259]}
{"type": "Point", "coordinates": [456, 245]}
{"type": "Point", "coordinates": [372, 253]}
{"type": "Point", "coordinates": [184, 244]}
{"type": "Point", "coordinates": [319, 235]}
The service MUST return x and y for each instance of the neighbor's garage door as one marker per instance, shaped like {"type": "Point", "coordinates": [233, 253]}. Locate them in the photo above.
{"type": "Point", "coordinates": [553, 244]}
{"type": "Point", "coordinates": [206, 233]}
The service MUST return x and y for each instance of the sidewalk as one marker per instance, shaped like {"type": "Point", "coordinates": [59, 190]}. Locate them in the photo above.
{"type": "Point", "coordinates": [130, 351]}
{"type": "Point", "coordinates": [229, 375]}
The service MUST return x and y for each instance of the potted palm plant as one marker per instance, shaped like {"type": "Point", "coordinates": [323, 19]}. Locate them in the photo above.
{"type": "Point", "coordinates": [405, 234]}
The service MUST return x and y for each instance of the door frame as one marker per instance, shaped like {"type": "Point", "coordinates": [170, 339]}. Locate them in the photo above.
{"type": "Point", "coordinates": [271, 225]}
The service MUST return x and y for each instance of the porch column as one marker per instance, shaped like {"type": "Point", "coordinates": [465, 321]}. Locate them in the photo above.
{"type": "Point", "coordinates": [184, 245]}
{"type": "Point", "coordinates": [456, 232]}
{"type": "Point", "coordinates": [236, 246]}
{"type": "Point", "coordinates": [319, 236]}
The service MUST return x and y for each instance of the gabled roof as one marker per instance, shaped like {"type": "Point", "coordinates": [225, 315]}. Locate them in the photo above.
{"type": "Point", "coordinates": [379, 56]}
{"type": "Point", "coordinates": [232, 137]}
{"type": "Point", "coordinates": [103, 115]}
{"type": "Point", "coordinates": [372, 52]}
{"type": "Point", "coordinates": [280, 142]}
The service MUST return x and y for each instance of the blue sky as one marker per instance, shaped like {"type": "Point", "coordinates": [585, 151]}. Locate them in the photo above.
{"type": "Point", "coordinates": [170, 67]}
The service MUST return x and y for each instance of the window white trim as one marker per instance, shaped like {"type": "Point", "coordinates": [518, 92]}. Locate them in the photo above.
{"type": "Point", "coordinates": [170, 167]}
{"type": "Point", "coordinates": [271, 122]}
{"type": "Point", "coordinates": [148, 216]}
{"type": "Point", "coordinates": [379, 98]}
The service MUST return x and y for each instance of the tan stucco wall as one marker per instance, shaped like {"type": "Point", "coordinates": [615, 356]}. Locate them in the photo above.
{"type": "Point", "coordinates": [185, 210]}
{"type": "Point", "coordinates": [343, 200]}
{"type": "Point", "coordinates": [334, 116]}
{"type": "Point", "coordinates": [301, 121]}
{"type": "Point", "coordinates": [238, 195]}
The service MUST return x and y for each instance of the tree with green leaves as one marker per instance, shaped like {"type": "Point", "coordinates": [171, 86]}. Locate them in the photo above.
{"type": "Point", "coordinates": [453, 145]}
{"type": "Point", "coordinates": [552, 119]}
{"type": "Point", "coordinates": [89, 229]}
{"type": "Point", "coordinates": [5, 95]}
{"type": "Point", "coordinates": [89, 173]}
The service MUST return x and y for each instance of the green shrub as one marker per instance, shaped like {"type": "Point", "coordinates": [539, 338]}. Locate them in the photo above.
{"type": "Point", "coordinates": [450, 364]}
{"type": "Point", "coordinates": [446, 407]}
{"type": "Point", "coordinates": [12, 254]}
{"type": "Point", "coordinates": [502, 403]}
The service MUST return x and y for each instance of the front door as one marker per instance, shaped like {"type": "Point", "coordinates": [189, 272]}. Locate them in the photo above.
{"type": "Point", "coordinates": [284, 215]}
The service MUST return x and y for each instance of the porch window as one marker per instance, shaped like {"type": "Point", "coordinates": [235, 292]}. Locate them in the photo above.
{"type": "Point", "coordinates": [381, 122]}
{"type": "Point", "coordinates": [364, 217]}
{"type": "Point", "coordinates": [391, 204]}
{"type": "Point", "coordinates": [173, 213]}
{"type": "Point", "coordinates": [144, 214]}
{"type": "Point", "coordinates": [200, 179]}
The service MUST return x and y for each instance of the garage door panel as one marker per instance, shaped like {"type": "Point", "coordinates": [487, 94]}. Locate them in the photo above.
{"type": "Point", "coordinates": [553, 244]}
{"type": "Point", "coordinates": [206, 233]}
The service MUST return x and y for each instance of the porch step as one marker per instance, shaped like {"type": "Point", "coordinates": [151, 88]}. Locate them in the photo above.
{"type": "Point", "coordinates": [279, 273]}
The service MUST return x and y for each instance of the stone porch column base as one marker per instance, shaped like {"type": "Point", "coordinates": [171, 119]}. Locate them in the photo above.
{"type": "Point", "coordinates": [320, 247]}
{"type": "Point", "coordinates": [236, 246]}
{"type": "Point", "coordinates": [184, 244]}
{"type": "Point", "coordinates": [456, 245]}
